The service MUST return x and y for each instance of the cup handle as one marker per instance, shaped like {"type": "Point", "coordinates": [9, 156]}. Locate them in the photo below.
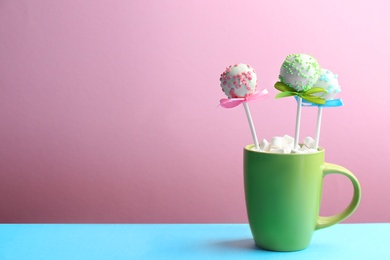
{"type": "Point", "coordinates": [330, 168]}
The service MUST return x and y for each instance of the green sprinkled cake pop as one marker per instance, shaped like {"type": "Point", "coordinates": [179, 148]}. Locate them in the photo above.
{"type": "Point", "coordinates": [300, 71]}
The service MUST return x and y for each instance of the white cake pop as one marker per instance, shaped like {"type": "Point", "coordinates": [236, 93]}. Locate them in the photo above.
{"type": "Point", "coordinates": [239, 81]}
{"type": "Point", "coordinates": [330, 83]}
{"type": "Point", "coordinates": [299, 71]}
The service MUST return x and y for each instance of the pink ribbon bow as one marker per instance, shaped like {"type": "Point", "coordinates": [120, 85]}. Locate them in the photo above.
{"type": "Point", "coordinates": [233, 102]}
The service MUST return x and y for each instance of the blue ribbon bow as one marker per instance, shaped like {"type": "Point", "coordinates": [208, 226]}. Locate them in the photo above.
{"type": "Point", "coordinates": [328, 103]}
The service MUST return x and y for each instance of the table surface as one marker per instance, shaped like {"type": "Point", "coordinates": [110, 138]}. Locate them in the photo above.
{"type": "Point", "coordinates": [181, 241]}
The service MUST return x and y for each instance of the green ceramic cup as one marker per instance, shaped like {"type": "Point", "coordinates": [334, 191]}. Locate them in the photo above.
{"type": "Point", "coordinates": [283, 194]}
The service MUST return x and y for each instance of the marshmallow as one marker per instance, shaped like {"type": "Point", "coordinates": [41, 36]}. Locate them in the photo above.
{"type": "Point", "coordinates": [280, 145]}
{"type": "Point", "coordinates": [289, 140]}
{"type": "Point", "coordinates": [280, 150]}
{"type": "Point", "coordinates": [309, 142]}
{"type": "Point", "coordinates": [285, 145]}
{"type": "Point", "coordinates": [305, 149]}
{"type": "Point", "coordinates": [301, 149]}
{"type": "Point", "coordinates": [264, 145]}
{"type": "Point", "coordinates": [278, 142]}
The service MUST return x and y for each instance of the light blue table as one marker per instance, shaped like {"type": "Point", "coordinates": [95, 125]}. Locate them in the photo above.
{"type": "Point", "coordinates": [181, 241]}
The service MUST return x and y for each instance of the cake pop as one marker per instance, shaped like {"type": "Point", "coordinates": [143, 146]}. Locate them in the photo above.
{"type": "Point", "coordinates": [329, 82]}
{"type": "Point", "coordinates": [239, 82]}
{"type": "Point", "coordinates": [299, 71]}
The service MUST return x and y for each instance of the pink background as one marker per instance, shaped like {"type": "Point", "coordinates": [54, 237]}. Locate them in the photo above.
{"type": "Point", "coordinates": [109, 108]}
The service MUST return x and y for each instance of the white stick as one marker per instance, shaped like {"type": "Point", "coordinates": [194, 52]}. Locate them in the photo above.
{"type": "Point", "coordinates": [319, 118]}
{"type": "Point", "coordinates": [248, 115]}
{"type": "Point", "coordinates": [298, 123]}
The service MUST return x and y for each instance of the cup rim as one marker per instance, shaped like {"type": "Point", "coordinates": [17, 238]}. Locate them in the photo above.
{"type": "Point", "coordinates": [249, 147]}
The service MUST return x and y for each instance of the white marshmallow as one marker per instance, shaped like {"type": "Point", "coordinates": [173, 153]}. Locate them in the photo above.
{"type": "Point", "coordinates": [280, 150]}
{"type": "Point", "coordinates": [264, 145]}
{"type": "Point", "coordinates": [278, 142]}
{"type": "Point", "coordinates": [301, 149]}
{"type": "Point", "coordinates": [296, 151]}
{"type": "Point", "coordinates": [305, 149]}
{"type": "Point", "coordinates": [289, 140]}
{"type": "Point", "coordinates": [285, 145]}
{"type": "Point", "coordinates": [309, 142]}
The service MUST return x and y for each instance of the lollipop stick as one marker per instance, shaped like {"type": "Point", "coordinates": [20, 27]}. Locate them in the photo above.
{"type": "Point", "coordinates": [298, 123]}
{"type": "Point", "coordinates": [248, 115]}
{"type": "Point", "coordinates": [319, 117]}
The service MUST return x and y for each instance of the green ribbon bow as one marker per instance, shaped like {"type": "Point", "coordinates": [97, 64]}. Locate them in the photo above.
{"type": "Point", "coordinates": [287, 91]}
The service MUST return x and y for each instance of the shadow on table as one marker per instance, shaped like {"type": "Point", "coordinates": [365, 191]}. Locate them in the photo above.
{"type": "Point", "coordinates": [242, 244]}
{"type": "Point", "coordinates": [239, 246]}
{"type": "Point", "coordinates": [248, 245]}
